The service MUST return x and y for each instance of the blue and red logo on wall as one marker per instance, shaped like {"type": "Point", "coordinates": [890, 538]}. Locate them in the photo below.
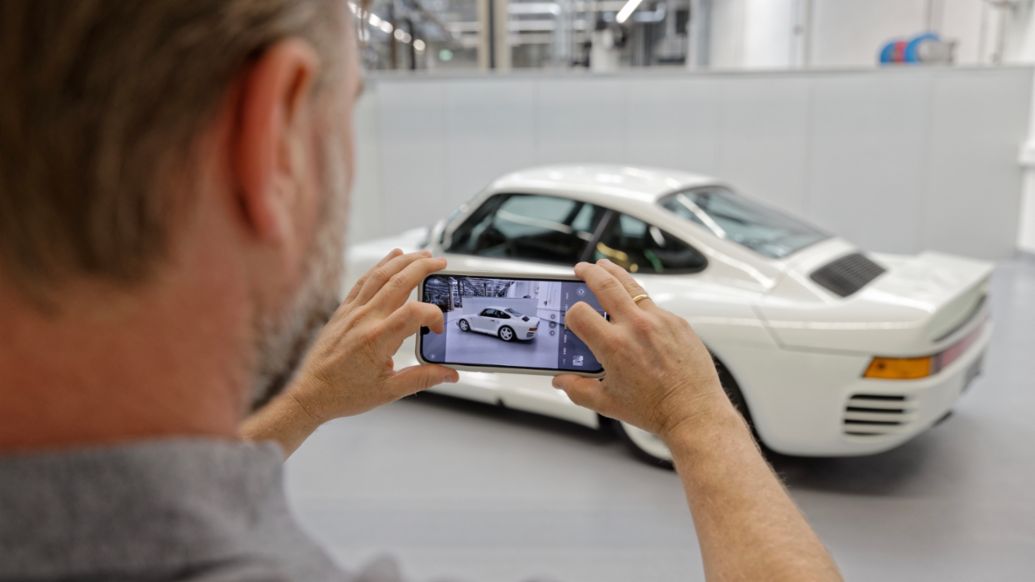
{"type": "Point", "coordinates": [899, 51]}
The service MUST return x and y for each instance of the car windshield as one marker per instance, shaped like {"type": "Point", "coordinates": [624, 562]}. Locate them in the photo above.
{"type": "Point", "coordinates": [727, 215]}
{"type": "Point", "coordinates": [511, 311]}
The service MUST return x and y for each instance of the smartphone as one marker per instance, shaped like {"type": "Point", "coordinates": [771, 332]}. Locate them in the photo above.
{"type": "Point", "coordinates": [507, 323]}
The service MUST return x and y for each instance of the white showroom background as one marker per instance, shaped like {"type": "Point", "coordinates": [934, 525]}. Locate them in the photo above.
{"type": "Point", "coordinates": [897, 160]}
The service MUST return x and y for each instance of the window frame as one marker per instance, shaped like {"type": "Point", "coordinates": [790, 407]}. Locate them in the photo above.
{"type": "Point", "coordinates": [661, 200]}
{"type": "Point", "coordinates": [608, 216]}
{"type": "Point", "coordinates": [500, 198]}
{"type": "Point", "coordinates": [613, 215]}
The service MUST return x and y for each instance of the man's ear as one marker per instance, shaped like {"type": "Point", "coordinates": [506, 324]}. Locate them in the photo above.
{"type": "Point", "coordinates": [270, 104]}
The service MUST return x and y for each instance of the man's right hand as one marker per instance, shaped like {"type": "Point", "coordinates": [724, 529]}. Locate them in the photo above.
{"type": "Point", "coordinates": [660, 377]}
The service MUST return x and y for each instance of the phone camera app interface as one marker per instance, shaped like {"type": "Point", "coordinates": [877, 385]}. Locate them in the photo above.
{"type": "Point", "coordinates": [507, 322]}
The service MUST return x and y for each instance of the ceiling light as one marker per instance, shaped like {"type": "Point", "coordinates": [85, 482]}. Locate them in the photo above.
{"type": "Point", "coordinates": [534, 8]}
{"type": "Point", "coordinates": [627, 11]}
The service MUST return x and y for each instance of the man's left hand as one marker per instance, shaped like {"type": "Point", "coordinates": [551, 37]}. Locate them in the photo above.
{"type": "Point", "coordinates": [350, 370]}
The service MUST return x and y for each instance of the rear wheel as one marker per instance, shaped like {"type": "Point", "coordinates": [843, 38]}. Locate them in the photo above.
{"type": "Point", "coordinates": [464, 326]}
{"type": "Point", "coordinates": [506, 334]}
{"type": "Point", "coordinates": [653, 450]}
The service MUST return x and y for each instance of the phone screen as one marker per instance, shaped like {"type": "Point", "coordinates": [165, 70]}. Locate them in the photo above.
{"type": "Point", "coordinates": [507, 322]}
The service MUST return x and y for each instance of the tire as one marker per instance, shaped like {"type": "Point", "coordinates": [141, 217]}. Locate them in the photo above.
{"type": "Point", "coordinates": [649, 448]}
{"type": "Point", "coordinates": [463, 325]}
{"type": "Point", "coordinates": [729, 385]}
{"type": "Point", "coordinates": [506, 333]}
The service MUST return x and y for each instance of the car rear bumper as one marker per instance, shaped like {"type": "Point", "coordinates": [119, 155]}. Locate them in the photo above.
{"type": "Point", "coordinates": [814, 412]}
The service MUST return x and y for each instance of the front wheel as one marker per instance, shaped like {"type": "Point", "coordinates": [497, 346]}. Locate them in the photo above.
{"type": "Point", "coordinates": [506, 334]}
{"type": "Point", "coordinates": [645, 446]}
{"type": "Point", "coordinates": [464, 326]}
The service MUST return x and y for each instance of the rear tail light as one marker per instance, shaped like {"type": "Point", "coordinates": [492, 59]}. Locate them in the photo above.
{"type": "Point", "coordinates": [915, 368]}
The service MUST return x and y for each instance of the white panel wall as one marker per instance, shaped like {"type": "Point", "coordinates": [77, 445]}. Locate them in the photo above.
{"type": "Point", "coordinates": [896, 160]}
{"type": "Point", "coordinates": [849, 33]}
{"type": "Point", "coordinates": [869, 149]}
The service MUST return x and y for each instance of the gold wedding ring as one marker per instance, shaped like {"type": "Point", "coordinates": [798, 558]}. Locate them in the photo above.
{"type": "Point", "coordinates": [640, 297]}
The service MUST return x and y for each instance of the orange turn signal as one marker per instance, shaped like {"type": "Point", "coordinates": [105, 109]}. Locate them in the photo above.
{"type": "Point", "coordinates": [900, 368]}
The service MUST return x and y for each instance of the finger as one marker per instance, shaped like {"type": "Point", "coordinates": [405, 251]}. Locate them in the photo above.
{"type": "Point", "coordinates": [416, 378]}
{"type": "Point", "coordinates": [609, 291]}
{"type": "Point", "coordinates": [378, 277]}
{"type": "Point", "coordinates": [408, 319]}
{"type": "Point", "coordinates": [628, 283]}
{"type": "Point", "coordinates": [590, 327]}
{"type": "Point", "coordinates": [359, 282]}
{"type": "Point", "coordinates": [586, 392]}
{"type": "Point", "coordinates": [399, 287]}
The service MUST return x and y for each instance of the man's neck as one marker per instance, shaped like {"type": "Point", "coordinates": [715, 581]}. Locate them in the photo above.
{"type": "Point", "coordinates": [113, 366]}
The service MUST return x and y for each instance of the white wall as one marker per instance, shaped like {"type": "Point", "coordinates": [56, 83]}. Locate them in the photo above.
{"type": "Point", "coordinates": [850, 33]}
{"type": "Point", "coordinates": [757, 34]}
{"type": "Point", "coordinates": [1026, 235]}
{"type": "Point", "coordinates": [896, 160]}
{"type": "Point", "coordinates": [477, 304]}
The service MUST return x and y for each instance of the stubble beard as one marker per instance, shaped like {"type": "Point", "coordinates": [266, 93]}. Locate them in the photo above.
{"type": "Point", "coordinates": [282, 339]}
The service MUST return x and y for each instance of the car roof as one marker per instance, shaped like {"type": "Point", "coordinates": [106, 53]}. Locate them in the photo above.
{"type": "Point", "coordinates": [617, 181]}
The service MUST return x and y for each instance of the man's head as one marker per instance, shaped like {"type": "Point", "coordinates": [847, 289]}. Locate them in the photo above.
{"type": "Point", "coordinates": [201, 146]}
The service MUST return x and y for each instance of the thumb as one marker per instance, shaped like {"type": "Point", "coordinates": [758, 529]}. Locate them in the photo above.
{"type": "Point", "coordinates": [587, 392]}
{"type": "Point", "coordinates": [416, 378]}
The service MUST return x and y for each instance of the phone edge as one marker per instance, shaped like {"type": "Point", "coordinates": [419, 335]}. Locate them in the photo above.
{"type": "Point", "coordinates": [512, 370]}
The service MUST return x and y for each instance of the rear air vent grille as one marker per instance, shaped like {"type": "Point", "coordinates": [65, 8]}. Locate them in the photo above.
{"type": "Point", "coordinates": [872, 415]}
{"type": "Point", "coordinates": [847, 275]}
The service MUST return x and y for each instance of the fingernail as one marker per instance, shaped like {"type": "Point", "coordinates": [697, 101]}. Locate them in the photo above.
{"type": "Point", "coordinates": [604, 262]}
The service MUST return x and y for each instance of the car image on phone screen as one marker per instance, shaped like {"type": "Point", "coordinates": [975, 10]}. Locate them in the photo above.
{"type": "Point", "coordinates": [508, 323]}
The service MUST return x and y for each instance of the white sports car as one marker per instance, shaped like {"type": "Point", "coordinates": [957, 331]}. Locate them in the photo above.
{"type": "Point", "coordinates": [826, 349]}
{"type": "Point", "coordinates": [504, 323]}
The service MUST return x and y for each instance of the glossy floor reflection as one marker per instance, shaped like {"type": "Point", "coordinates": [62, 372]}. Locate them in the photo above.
{"type": "Point", "coordinates": [474, 492]}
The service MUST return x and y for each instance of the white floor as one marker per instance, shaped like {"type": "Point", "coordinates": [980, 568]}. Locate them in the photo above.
{"type": "Point", "coordinates": [478, 493]}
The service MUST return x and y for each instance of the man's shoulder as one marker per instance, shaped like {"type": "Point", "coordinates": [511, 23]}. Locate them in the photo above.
{"type": "Point", "coordinates": [183, 509]}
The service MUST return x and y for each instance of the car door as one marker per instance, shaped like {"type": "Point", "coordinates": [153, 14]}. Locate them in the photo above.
{"type": "Point", "coordinates": [502, 318]}
{"type": "Point", "coordinates": [483, 321]}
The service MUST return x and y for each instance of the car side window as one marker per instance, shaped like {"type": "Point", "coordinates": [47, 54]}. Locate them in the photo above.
{"type": "Point", "coordinates": [532, 227]}
{"type": "Point", "coordinates": [502, 314]}
{"type": "Point", "coordinates": [486, 313]}
{"type": "Point", "coordinates": [639, 247]}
